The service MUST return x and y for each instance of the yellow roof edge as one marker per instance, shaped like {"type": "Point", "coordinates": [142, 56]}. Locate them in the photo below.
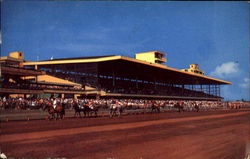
{"type": "Point", "coordinates": [73, 61]}
{"type": "Point", "coordinates": [61, 81]}
{"type": "Point", "coordinates": [173, 69]}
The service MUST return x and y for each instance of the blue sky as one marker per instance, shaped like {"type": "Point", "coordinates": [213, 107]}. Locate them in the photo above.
{"type": "Point", "coordinates": [213, 34]}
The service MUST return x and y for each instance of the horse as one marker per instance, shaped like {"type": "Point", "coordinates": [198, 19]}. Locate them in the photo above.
{"type": "Point", "coordinates": [196, 107]}
{"type": "Point", "coordinates": [114, 108]}
{"type": "Point", "coordinates": [78, 109]}
{"type": "Point", "coordinates": [155, 108]}
{"type": "Point", "coordinates": [59, 111]}
{"type": "Point", "coordinates": [91, 108]}
{"type": "Point", "coordinates": [179, 107]}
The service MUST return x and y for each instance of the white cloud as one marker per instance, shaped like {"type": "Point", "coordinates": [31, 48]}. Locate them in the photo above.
{"type": "Point", "coordinates": [245, 84]}
{"type": "Point", "coordinates": [226, 69]}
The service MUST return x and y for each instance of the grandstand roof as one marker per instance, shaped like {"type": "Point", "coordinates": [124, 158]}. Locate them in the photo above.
{"type": "Point", "coordinates": [131, 68]}
{"type": "Point", "coordinates": [17, 71]}
{"type": "Point", "coordinates": [47, 79]}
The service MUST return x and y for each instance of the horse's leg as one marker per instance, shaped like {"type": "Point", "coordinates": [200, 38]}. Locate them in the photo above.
{"type": "Point", "coordinates": [84, 113]}
{"type": "Point", "coordinates": [110, 113]}
{"type": "Point", "coordinates": [119, 113]}
{"type": "Point", "coordinates": [80, 114]}
{"type": "Point", "coordinates": [116, 112]}
{"type": "Point", "coordinates": [59, 115]}
{"type": "Point", "coordinates": [62, 115]}
{"type": "Point", "coordinates": [95, 113]}
{"type": "Point", "coordinates": [75, 114]}
{"type": "Point", "coordinates": [54, 116]}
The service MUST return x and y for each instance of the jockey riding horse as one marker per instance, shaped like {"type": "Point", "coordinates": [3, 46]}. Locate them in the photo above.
{"type": "Point", "coordinates": [196, 107]}
{"type": "Point", "coordinates": [155, 107]}
{"type": "Point", "coordinates": [179, 106]}
{"type": "Point", "coordinates": [55, 111]}
{"type": "Point", "coordinates": [91, 108]}
{"type": "Point", "coordinates": [115, 106]}
{"type": "Point", "coordinates": [88, 108]}
{"type": "Point", "coordinates": [78, 108]}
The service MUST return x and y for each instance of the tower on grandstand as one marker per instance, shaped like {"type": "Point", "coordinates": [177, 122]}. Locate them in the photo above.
{"type": "Point", "coordinates": [152, 57]}
{"type": "Point", "coordinates": [194, 68]}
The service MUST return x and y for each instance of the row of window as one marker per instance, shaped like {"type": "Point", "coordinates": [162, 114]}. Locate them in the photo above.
{"type": "Point", "coordinates": [195, 71]}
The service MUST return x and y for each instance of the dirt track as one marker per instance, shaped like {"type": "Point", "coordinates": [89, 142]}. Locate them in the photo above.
{"type": "Point", "coordinates": [193, 135]}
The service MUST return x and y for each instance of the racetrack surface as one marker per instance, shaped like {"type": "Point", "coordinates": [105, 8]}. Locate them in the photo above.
{"type": "Point", "coordinates": [189, 135]}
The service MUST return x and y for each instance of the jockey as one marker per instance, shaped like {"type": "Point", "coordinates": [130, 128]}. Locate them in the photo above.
{"type": "Point", "coordinates": [81, 104]}
{"type": "Point", "coordinates": [54, 103]}
{"type": "Point", "coordinates": [113, 104]}
{"type": "Point", "coordinates": [4, 99]}
{"type": "Point", "coordinates": [119, 104]}
{"type": "Point", "coordinates": [116, 105]}
{"type": "Point", "coordinates": [91, 105]}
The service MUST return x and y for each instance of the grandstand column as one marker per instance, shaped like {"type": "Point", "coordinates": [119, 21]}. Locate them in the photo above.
{"type": "Point", "coordinates": [183, 87]}
{"type": "Point", "coordinates": [136, 82]}
{"type": "Point", "coordinates": [218, 90]}
{"type": "Point", "coordinates": [209, 89]}
{"type": "Point", "coordinates": [98, 78]}
{"type": "Point", "coordinates": [154, 82]}
{"type": "Point", "coordinates": [113, 76]}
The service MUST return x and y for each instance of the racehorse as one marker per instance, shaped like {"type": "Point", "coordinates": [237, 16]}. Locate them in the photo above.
{"type": "Point", "coordinates": [78, 109]}
{"type": "Point", "coordinates": [56, 113]}
{"type": "Point", "coordinates": [115, 107]}
{"type": "Point", "coordinates": [90, 109]}
{"type": "Point", "coordinates": [155, 108]}
{"type": "Point", "coordinates": [196, 107]}
{"type": "Point", "coordinates": [179, 107]}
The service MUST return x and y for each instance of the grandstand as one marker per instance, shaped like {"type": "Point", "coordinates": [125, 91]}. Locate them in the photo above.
{"type": "Point", "coordinates": [144, 76]}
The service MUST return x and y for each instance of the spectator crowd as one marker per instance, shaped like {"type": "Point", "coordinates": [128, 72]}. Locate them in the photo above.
{"type": "Point", "coordinates": [188, 105]}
